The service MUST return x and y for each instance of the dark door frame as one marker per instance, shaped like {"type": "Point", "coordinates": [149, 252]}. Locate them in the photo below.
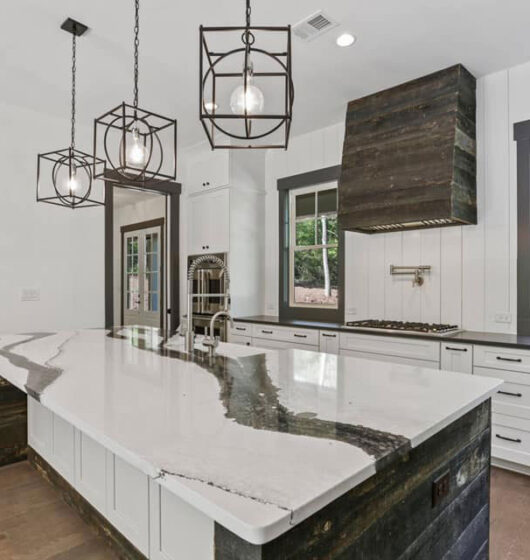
{"type": "Point", "coordinates": [172, 191]}
{"type": "Point", "coordinates": [521, 133]}
{"type": "Point", "coordinates": [158, 222]}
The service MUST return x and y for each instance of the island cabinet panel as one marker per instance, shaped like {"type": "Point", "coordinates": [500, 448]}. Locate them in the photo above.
{"type": "Point", "coordinates": [40, 428]}
{"type": "Point", "coordinates": [63, 448]}
{"type": "Point", "coordinates": [91, 471]}
{"type": "Point", "coordinates": [13, 424]}
{"type": "Point", "coordinates": [178, 530]}
{"type": "Point", "coordinates": [392, 516]}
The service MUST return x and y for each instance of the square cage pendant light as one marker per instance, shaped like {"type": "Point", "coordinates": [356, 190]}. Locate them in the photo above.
{"type": "Point", "coordinates": [139, 146]}
{"type": "Point", "coordinates": [66, 177]}
{"type": "Point", "coordinates": [246, 89]}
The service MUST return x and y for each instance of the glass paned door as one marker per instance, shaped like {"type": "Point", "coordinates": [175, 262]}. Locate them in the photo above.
{"type": "Point", "coordinates": [142, 294]}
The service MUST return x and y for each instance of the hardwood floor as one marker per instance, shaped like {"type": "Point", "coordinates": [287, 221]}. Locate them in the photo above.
{"type": "Point", "coordinates": [35, 524]}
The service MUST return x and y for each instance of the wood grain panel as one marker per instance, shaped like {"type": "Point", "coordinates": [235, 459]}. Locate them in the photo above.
{"type": "Point", "coordinates": [408, 160]}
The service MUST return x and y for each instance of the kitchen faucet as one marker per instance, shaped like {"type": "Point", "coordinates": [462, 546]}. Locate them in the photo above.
{"type": "Point", "coordinates": [189, 334]}
{"type": "Point", "coordinates": [212, 342]}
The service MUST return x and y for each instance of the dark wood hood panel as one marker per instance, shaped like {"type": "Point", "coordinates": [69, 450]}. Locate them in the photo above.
{"type": "Point", "coordinates": [409, 157]}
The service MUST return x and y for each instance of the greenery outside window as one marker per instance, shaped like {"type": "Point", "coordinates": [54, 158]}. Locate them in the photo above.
{"type": "Point", "coordinates": [314, 247]}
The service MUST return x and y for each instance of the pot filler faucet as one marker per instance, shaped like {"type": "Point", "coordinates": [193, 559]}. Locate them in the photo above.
{"type": "Point", "coordinates": [211, 341]}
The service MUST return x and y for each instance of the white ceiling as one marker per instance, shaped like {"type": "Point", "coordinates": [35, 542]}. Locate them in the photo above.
{"type": "Point", "coordinates": [396, 41]}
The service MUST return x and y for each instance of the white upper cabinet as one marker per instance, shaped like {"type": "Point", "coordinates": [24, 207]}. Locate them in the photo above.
{"type": "Point", "coordinates": [209, 222]}
{"type": "Point", "coordinates": [209, 171]}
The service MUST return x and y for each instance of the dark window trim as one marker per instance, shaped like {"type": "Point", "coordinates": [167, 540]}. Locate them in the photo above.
{"type": "Point", "coordinates": [172, 191]}
{"type": "Point", "coordinates": [157, 222]}
{"type": "Point", "coordinates": [286, 184]}
{"type": "Point", "coordinates": [522, 137]}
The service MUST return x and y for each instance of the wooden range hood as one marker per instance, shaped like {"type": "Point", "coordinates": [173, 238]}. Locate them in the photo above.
{"type": "Point", "coordinates": [409, 157]}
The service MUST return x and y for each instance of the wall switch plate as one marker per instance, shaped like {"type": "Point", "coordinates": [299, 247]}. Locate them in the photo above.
{"type": "Point", "coordinates": [30, 294]}
{"type": "Point", "coordinates": [440, 488]}
{"type": "Point", "coordinates": [503, 317]}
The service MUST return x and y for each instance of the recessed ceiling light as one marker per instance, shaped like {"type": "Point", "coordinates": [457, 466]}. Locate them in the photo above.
{"type": "Point", "coordinates": [210, 106]}
{"type": "Point", "coordinates": [345, 40]}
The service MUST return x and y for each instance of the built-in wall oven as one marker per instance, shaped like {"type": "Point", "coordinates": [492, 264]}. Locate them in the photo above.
{"type": "Point", "coordinates": [208, 279]}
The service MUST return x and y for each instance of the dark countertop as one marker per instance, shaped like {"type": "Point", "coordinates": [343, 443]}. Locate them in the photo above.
{"type": "Point", "coordinates": [469, 337]}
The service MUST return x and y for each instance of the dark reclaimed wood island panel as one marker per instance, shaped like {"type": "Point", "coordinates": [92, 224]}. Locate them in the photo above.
{"type": "Point", "coordinates": [409, 158]}
{"type": "Point", "coordinates": [13, 424]}
{"type": "Point", "coordinates": [391, 515]}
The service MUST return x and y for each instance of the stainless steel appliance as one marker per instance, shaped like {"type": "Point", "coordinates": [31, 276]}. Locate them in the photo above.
{"type": "Point", "coordinates": [435, 329]}
{"type": "Point", "coordinates": [208, 296]}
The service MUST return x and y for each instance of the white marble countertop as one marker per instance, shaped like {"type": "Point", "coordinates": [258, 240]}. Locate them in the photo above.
{"type": "Point", "coordinates": [258, 440]}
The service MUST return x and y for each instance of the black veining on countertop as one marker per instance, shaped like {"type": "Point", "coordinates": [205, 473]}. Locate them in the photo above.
{"type": "Point", "coordinates": [39, 376]}
{"type": "Point", "coordinates": [469, 337]}
{"type": "Point", "coordinates": [251, 399]}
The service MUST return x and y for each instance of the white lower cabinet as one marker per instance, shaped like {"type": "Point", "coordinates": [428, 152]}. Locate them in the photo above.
{"type": "Point", "coordinates": [40, 429]}
{"type": "Point", "coordinates": [279, 344]}
{"type": "Point", "coordinates": [128, 501]}
{"type": "Point", "coordinates": [91, 471]}
{"type": "Point", "coordinates": [237, 339]}
{"type": "Point", "coordinates": [329, 342]}
{"type": "Point", "coordinates": [178, 530]}
{"type": "Point", "coordinates": [391, 359]}
{"type": "Point", "coordinates": [63, 448]}
{"type": "Point", "coordinates": [456, 357]}
{"type": "Point", "coordinates": [510, 439]}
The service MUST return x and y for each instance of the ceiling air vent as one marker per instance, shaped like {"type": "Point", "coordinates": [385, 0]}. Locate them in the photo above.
{"type": "Point", "coordinates": [313, 26]}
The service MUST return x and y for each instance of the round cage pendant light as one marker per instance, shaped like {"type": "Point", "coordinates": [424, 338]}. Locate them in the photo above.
{"type": "Point", "coordinates": [66, 177]}
{"type": "Point", "coordinates": [139, 146]}
{"type": "Point", "coordinates": [247, 92]}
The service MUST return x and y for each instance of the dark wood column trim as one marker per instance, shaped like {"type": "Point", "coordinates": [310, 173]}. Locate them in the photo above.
{"type": "Point", "coordinates": [522, 137]}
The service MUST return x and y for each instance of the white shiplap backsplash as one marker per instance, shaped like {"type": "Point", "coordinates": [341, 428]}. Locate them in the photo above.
{"type": "Point", "coordinates": [473, 278]}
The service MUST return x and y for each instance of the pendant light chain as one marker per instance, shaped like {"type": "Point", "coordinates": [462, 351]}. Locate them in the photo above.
{"type": "Point", "coordinates": [136, 46]}
{"type": "Point", "coordinates": [74, 55]}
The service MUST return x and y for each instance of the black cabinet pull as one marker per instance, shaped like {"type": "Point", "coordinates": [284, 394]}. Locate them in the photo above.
{"type": "Point", "coordinates": [241, 329]}
{"type": "Point", "coordinates": [510, 394]}
{"type": "Point", "coordinates": [456, 349]}
{"type": "Point", "coordinates": [267, 332]}
{"type": "Point", "coordinates": [329, 335]}
{"type": "Point", "coordinates": [515, 440]}
{"type": "Point", "coordinates": [300, 335]}
{"type": "Point", "coordinates": [518, 360]}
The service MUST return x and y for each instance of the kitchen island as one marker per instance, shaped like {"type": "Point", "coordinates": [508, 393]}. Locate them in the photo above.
{"type": "Point", "coordinates": [256, 454]}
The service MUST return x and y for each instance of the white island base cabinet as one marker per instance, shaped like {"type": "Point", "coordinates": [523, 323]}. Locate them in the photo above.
{"type": "Point", "coordinates": [152, 518]}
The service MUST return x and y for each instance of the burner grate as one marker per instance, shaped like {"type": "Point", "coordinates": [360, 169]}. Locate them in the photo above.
{"type": "Point", "coordinates": [409, 326]}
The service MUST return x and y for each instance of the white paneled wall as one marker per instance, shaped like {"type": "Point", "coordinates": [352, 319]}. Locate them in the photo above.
{"type": "Point", "coordinates": [473, 279]}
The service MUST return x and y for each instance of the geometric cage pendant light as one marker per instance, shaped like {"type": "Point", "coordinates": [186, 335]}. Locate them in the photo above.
{"type": "Point", "coordinates": [246, 86]}
{"type": "Point", "coordinates": [139, 146]}
{"type": "Point", "coordinates": [66, 177]}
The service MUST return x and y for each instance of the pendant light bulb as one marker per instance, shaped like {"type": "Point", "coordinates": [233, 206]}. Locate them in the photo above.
{"type": "Point", "coordinates": [72, 184]}
{"type": "Point", "coordinates": [137, 153]}
{"type": "Point", "coordinates": [250, 101]}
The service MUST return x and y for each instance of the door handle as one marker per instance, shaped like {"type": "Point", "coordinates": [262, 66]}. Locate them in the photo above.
{"type": "Point", "coordinates": [515, 440]}
{"type": "Point", "coordinates": [456, 349]}
{"type": "Point", "coordinates": [518, 360]}
{"type": "Point", "coordinates": [329, 335]}
{"type": "Point", "coordinates": [267, 332]}
{"type": "Point", "coordinates": [510, 394]}
{"type": "Point", "coordinates": [300, 335]}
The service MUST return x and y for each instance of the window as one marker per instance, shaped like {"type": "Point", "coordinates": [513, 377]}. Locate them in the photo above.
{"type": "Point", "coordinates": [313, 247]}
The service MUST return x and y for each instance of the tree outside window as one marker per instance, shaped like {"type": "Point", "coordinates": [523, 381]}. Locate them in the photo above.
{"type": "Point", "coordinates": [314, 247]}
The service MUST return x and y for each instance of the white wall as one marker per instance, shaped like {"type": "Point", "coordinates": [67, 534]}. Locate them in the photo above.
{"type": "Point", "coordinates": [54, 250]}
{"type": "Point", "coordinates": [473, 279]}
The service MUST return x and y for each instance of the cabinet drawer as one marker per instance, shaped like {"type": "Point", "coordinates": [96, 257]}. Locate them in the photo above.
{"type": "Point", "coordinates": [392, 346]}
{"type": "Point", "coordinates": [510, 438]}
{"type": "Point", "coordinates": [392, 359]}
{"type": "Point", "coordinates": [297, 336]}
{"type": "Point", "coordinates": [502, 358]}
{"type": "Point", "coordinates": [329, 342]}
{"type": "Point", "coordinates": [236, 339]}
{"type": "Point", "coordinates": [241, 329]}
{"type": "Point", "coordinates": [456, 357]}
{"type": "Point", "coordinates": [513, 398]}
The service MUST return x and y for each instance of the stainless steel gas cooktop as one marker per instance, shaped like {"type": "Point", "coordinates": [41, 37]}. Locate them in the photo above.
{"type": "Point", "coordinates": [404, 326]}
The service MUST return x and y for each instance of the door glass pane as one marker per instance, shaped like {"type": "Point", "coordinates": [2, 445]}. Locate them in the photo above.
{"type": "Point", "coordinates": [133, 301]}
{"type": "Point", "coordinates": [151, 282]}
{"type": "Point", "coordinates": [316, 276]}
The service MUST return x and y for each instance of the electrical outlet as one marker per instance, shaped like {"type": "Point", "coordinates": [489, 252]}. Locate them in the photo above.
{"type": "Point", "coordinates": [503, 317]}
{"type": "Point", "coordinates": [30, 294]}
{"type": "Point", "coordinates": [440, 488]}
